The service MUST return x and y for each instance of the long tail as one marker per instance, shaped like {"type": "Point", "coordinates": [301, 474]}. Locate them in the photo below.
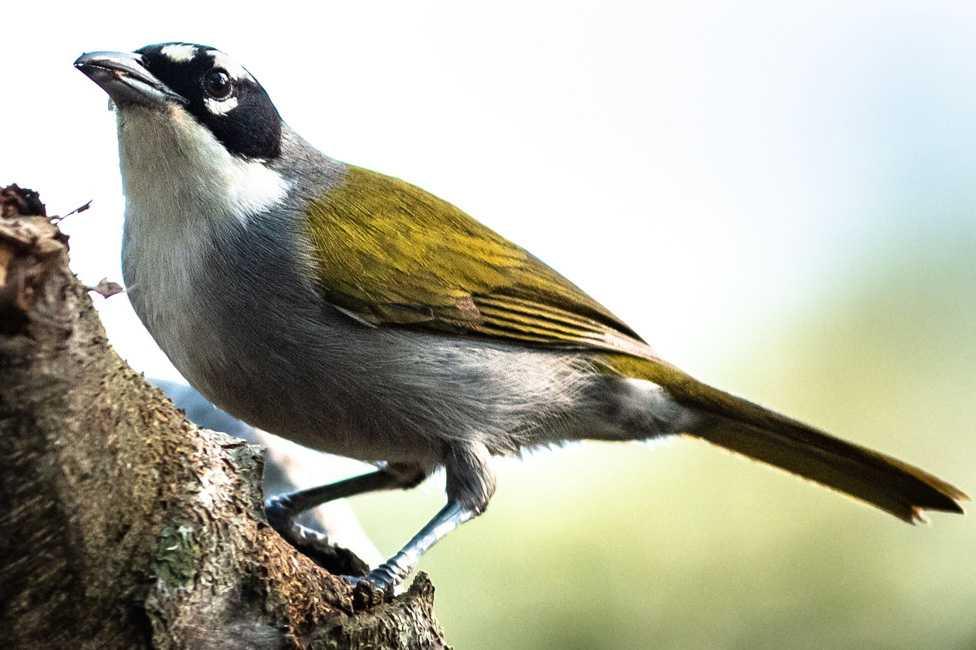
{"type": "Point", "coordinates": [749, 429]}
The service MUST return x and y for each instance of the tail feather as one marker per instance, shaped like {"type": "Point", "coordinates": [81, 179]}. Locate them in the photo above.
{"type": "Point", "coordinates": [885, 482]}
{"type": "Point", "coordinates": [757, 432]}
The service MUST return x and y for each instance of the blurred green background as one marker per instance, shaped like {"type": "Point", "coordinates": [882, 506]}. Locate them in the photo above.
{"type": "Point", "coordinates": [687, 546]}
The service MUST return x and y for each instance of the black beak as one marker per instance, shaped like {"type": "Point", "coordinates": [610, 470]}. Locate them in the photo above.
{"type": "Point", "coordinates": [127, 81]}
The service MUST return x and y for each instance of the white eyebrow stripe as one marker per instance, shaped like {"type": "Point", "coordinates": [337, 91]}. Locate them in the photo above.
{"type": "Point", "coordinates": [179, 52]}
{"type": "Point", "coordinates": [234, 69]}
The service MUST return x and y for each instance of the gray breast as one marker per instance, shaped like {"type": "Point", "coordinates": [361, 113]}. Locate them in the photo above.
{"type": "Point", "coordinates": [251, 332]}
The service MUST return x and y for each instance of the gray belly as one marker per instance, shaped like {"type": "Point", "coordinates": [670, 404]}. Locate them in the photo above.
{"type": "Point", "coordinates": [338, 386]}
{"type": "Point", "coordinates": [295, 376]}
{"type": "Point", "coordinates": [256, 339]}
{"type": "Point", "coordinates": [286, 362]}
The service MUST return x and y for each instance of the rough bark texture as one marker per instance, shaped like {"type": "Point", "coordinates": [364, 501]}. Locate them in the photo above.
{"type": "Point", "coordinates": [124, 526]}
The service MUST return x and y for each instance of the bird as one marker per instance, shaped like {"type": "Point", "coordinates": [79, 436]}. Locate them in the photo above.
{"type": "Point", "coordinates": [357, 314]}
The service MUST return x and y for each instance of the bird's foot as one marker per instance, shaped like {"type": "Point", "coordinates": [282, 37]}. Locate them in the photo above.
{"type": "Point", "coordinates": [382, 580]}
{"type": "Point", "coordinates": [310, 542]}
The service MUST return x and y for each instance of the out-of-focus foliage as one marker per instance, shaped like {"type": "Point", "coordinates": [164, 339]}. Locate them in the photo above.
{"type": "Point", "coordinates": [684, 546]}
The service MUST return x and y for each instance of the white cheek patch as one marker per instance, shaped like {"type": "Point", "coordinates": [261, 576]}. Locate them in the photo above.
{"type": "Point", "coordinates": [252, 188]}
{"type": "Point", "coordinates": [220, 106]}
{"type": "Point", "coordinates": [233, 68]}
{"type": "Point", "coordinates": [205, 184]}
{"type": "Point", "coordinates": [178, 53]}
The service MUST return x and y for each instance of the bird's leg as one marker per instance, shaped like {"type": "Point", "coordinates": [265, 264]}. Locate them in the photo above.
{"type": "Point", "coordinates": [470, 485]}
{"type": "Point", "coordinates": [393, 571]}
{"type": "Point", "coordinates": [281, 510]}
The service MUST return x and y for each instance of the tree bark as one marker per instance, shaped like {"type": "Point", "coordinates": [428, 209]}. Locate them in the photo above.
{"type": "Point", "coordinates": [122, 525]}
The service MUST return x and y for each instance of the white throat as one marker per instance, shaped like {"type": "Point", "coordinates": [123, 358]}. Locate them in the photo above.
{"type": "Point", "coordinates": [174, 168]}
{"type": "Point", "coordinates": [185, 197]}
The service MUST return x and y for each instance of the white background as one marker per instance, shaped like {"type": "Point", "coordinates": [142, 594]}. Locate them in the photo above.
{"type": "Point", "coordinates": [695, 167]}
{"type": "Point", "coordinates": [779, 196]}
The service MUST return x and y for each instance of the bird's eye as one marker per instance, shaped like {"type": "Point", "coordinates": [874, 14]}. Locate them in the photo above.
{"type": "Point", "coordinates": [217, 84]}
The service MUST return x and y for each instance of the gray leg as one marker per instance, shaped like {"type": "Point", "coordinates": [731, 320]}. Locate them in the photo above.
{"type": "Point", "coordinates": [282, 510]}
{"type": "Point", "coordinates": [398, 567]}
{"type": "Point", "coordinates": [470, 485]}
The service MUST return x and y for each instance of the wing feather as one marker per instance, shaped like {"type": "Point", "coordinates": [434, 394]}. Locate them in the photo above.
{"type": "Point", "coordinates": [389, 253]}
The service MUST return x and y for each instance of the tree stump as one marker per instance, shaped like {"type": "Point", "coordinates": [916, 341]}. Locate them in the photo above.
{"type": "Point", "coordinates": [122, 525]}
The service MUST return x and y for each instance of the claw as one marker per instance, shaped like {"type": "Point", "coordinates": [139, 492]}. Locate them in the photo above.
{"type": "Point", "coordinates": [279, 513]}
{"type": "Point", "coordinates": [383, 578]}
{"type": "Point", "coordinates": [281, 516]}
{"type": "Point", "coordinates": [365, 592]}
{"type": "Point", "coordinates": [380, 582]}
{"type": "Point", "coordinates": [315, 545]}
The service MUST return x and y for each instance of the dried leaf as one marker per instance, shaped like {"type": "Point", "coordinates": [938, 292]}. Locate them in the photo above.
{"type": "Point", "coordinates": [106, 288]}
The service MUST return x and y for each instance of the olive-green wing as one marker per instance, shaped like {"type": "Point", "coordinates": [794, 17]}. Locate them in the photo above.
{"type": "Point", "coordinates": [389, 253]}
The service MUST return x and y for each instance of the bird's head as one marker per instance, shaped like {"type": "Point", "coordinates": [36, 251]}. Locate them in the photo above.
{"type": "Point", "coordinates": [192, 123]}
{"type": "Point", "coordinates": [177, 78]}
